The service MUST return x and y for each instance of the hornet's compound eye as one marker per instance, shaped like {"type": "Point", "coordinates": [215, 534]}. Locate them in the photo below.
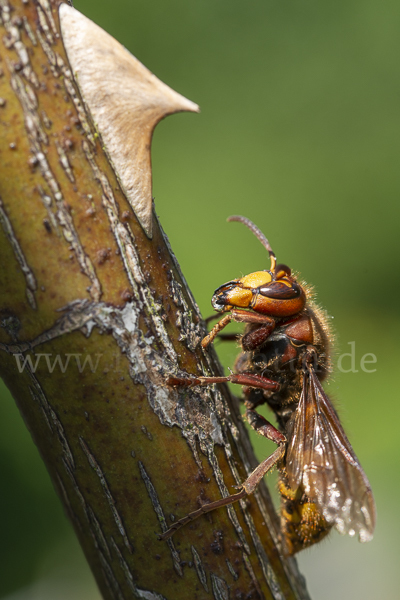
{"type": "Point", "coordinates": [281, 290]}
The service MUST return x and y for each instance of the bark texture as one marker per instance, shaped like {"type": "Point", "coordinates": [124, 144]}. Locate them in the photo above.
{"type": "Point", "coordinates": [94, 316]}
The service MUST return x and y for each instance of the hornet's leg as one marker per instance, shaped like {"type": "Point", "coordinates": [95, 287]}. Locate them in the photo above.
{"type": "Point", "coordinates": [266, 429]}
{"type": "Point", "coordinates": [254, 339]}
{"type": "Point", "coordinates": [248, 379]}
{"type": "Point", "coordinates": [215, 330]}
{"type": "Point", "coordinates": [240, 316]}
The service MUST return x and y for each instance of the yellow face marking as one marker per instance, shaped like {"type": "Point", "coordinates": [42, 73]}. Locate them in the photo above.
{"type": "Point", "coordinates": [254, 280]}
{"type": "Point", "coordinates": [239, 297]}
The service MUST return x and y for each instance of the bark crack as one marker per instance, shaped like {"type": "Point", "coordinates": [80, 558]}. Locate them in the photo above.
{"type": "Point", "coordinates": [160, 516]}
{"type": "Point", "coordinates": [97, 469]}
{"type": "Point", "coordinates": [31, 285]}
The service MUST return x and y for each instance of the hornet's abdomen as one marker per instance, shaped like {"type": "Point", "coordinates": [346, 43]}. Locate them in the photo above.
{"type": "Point", "coordinates": [302, 523]}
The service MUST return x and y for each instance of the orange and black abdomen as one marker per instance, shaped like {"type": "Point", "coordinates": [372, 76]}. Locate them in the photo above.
{"type": "Point", "coordinates": [302, 523]}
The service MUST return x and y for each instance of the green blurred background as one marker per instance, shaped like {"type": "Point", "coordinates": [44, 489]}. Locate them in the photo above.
{"type": "Point", "coordinates": [299, 131]}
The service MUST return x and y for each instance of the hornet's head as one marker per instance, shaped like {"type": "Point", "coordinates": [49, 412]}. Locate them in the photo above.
{"type": "Point", "coordinates": [274, 292]}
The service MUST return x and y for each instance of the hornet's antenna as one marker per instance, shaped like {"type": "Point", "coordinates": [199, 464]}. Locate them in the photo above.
{"type": "Point", "coordinates": [259, 235]}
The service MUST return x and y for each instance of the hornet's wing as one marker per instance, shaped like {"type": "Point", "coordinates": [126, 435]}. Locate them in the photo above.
{"type": "Point", "coordinates": [321, 460]}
